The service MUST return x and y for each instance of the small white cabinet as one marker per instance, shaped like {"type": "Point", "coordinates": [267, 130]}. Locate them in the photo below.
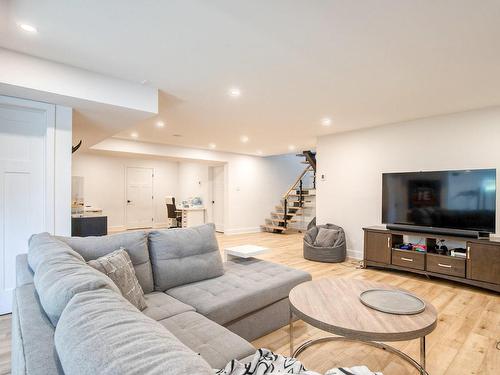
{"type": "Point", "coordinates": [192, 217]}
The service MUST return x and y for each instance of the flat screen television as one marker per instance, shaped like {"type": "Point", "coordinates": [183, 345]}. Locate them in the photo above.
{"type": "Point", "coordinates": [456, 200]}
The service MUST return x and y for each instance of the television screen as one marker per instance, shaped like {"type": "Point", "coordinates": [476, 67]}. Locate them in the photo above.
{"type": "Point", "coordinates": [463, 200]}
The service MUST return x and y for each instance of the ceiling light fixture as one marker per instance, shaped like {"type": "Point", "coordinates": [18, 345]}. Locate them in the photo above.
{"type": "Point", "coordinates": [292, 147]}
{"type": "Point", "coordinates": [244, 139]}
{"type": "Point", "coordinates": [326, 121]}
{"type": "Point", "coordinates": [134, 134]}
{"type": "Point", "coordinates": [160, 124]}
{"type": "Point", "coordinates": [28, 28]}
{"type": "Point", "coordinates": [234, 92]}
{"type": "Point", "coordinates": [212, 145]}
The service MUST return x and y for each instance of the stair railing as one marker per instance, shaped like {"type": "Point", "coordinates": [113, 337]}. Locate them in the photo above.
{"type": "Point", "coordinates": [293, 187]}
{"type": "Point", "coordinates": [298, 180]}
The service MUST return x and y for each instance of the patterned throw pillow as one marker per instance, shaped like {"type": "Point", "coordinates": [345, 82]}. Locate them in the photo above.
{"type": "Point", "coordinates": [118, 267]}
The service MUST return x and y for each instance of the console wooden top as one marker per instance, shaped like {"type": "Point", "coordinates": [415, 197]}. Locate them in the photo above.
{"type": "Point", "coordinates": [333, 305]}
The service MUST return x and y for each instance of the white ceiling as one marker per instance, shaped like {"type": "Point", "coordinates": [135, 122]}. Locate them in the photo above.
{"type": "Point", "coordinates": [364, 63]}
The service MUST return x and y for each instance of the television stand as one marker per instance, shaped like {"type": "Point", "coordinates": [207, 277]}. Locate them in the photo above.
{"type": "Point", "coordinates": [480, 268]}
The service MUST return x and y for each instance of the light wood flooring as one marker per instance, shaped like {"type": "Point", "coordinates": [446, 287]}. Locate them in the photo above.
{"type": "Point", "coordinates": [463, 343]}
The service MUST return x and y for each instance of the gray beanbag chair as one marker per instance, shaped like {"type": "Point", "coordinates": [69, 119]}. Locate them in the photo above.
{"type": "Point", "coordinates": [325, 243]}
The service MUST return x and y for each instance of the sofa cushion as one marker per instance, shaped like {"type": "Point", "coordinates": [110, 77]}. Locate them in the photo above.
{"type": "Point", "coordinates": [118, 267]}
{"type": "Point", "coordinates": [246, 286]}
{"type": "Point", "coordinates": [182, 256]}
{"type": "Point", "coordinates": [102, 333]}
{"type": "Point", "coordinates": [43, 247]}
{"type": "Point", "coordinates": [135, 243]}
{"type": "Point", "coordinates": [33, 350]}
{"type": "Point", "coordinates": [216, 344]}
{"type": "Point", "coordinates": [24, 274]}
{"type": "Point", "coordinates": [162, 306]}
{"type": "Point", "coordinates": [59, 279]}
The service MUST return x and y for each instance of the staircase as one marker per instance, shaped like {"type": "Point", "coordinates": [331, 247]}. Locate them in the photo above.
{"type": "Point", "coordinates": [294, 211]}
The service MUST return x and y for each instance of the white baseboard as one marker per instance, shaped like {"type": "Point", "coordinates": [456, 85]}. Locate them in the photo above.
{"type": "Point", "coordinates": [243, 230]}
{"type": "Point", "coordinates": [355, 254]}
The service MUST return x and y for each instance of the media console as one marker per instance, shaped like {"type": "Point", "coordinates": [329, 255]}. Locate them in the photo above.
{"type": "Point", "coordinates": [480, 268]}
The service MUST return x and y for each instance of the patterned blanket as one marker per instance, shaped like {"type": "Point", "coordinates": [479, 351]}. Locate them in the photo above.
{"type": "Point", "coordinates": [265, 362]}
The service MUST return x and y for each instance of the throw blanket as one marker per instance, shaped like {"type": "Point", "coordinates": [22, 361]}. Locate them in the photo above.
{"type": "Point", "coordinates": [265, 362]}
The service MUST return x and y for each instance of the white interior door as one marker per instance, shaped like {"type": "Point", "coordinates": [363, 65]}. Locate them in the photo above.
{"type": "Point", "coordinates": [139, 198]}
{"type": "Point", "coordinates": [218, 197]}
{"type": "Point", "coordinates": [26, 134]}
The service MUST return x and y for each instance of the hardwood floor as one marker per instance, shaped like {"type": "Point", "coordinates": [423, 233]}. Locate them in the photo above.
{"type": "Point", "coordinates": [463, 343]}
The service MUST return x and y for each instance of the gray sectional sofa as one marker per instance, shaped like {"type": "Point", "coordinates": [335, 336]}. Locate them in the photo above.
{"type": "Point", "coordinates": [68, 318]}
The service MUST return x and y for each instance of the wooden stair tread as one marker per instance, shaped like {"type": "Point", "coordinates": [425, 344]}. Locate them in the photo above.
{"type": "Point", "coordinates": [273, 227]}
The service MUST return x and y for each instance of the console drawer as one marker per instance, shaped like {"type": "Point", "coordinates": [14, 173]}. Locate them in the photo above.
{"type": "Point", "coordinates": [409, 259]}
{"type": "Point", "coordinates": [446, 265]}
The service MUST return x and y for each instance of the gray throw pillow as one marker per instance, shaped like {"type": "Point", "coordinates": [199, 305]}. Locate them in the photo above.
{"type": "Point", "coordinates": [326, 237]}
{"type": "Point", "coordinates": [118, 267]}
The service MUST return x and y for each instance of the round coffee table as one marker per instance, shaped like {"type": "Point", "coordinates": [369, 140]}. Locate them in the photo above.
{"type": "Point", "coordinates": [333, 305]}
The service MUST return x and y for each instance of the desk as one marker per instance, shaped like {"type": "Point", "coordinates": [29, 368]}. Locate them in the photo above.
{"type": "Point", "coordinates": [83, 225]}
{"type": "Point", "coordinates": [192, 217]}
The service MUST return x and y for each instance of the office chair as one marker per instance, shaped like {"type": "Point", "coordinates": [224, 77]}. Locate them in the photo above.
{"type": "Point", "coordinates": [174, 216]}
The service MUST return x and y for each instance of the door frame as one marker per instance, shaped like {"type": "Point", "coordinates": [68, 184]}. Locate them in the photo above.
{"type": "Point", "coordinates": [48, 187]}
{"type": "Point", "coordinates": [127, 227]}
{"type": "Point", "coordinates": [211, 196]}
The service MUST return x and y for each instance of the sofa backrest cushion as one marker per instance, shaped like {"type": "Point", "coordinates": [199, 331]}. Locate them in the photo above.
{"type": "Point", "coordinates": [135, 243]}
{"type": "Point", "coordinates": [101, 333]}
{"type": "Point", "coordinates": [182, 256]}
{"type": "Point", "coordinates": [57, 280]}
{"type": "Point", "coordinates": [44, 247]}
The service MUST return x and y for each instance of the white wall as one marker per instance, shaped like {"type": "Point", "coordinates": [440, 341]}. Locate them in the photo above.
{"type": "Point", "coordinates": [193, 181]}
{"type": "Point", "coordinates": [353, 163]}
{"type": "Point", "coordinates": [104, 184]}
{"type": "Point", "coordinates": [62, 177]}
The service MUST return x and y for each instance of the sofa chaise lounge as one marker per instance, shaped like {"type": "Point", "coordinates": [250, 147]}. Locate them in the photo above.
{"type": "Point", "coordinates": [69, 318]}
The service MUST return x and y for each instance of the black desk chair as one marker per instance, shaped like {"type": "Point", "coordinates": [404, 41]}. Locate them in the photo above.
{"type": "Point", "coordinates": [173, 214]}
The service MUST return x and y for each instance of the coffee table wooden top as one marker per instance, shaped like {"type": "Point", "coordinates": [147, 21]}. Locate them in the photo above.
{"type": "Point", "coordinates": [333, 305]}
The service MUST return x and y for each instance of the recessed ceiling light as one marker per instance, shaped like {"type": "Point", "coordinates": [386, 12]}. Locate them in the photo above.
{"type": "Point", "coordinates": [244, 139]}
{"type": "Point", "coordinates": [234, 92]}
{"type": "Point", "coordinates": [134, 134]}
{"type": "Point", "coordinates": [28, 28]}
{"type": "Point", "coordinates": [259, 152]}
{"type": "Point", "coordinates": [292, 147]}
{"type": "Point", "coordinates": [326, 121]}
{"type": "Point", "coordinates": [160, 124]}
{"type": "Point", "coordinates": [176, 135]}
{"type": "Point", "coordinates": [212, 145]}
{"type": "Point", "coordinates": [144, 82]}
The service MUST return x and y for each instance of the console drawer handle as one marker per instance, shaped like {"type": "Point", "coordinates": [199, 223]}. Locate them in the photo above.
{"type": "Point", "coordinates": [444, 265]}
{"type": "Point", "coordinates": [407, 259]}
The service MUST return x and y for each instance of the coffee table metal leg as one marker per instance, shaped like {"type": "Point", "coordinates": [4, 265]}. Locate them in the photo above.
{"type": "Point", "coordinates": [291, 332]}
{"type": "Point", "coordinates": [419, 366]}
{"type": "Point", "coordinates": [422, 353]}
